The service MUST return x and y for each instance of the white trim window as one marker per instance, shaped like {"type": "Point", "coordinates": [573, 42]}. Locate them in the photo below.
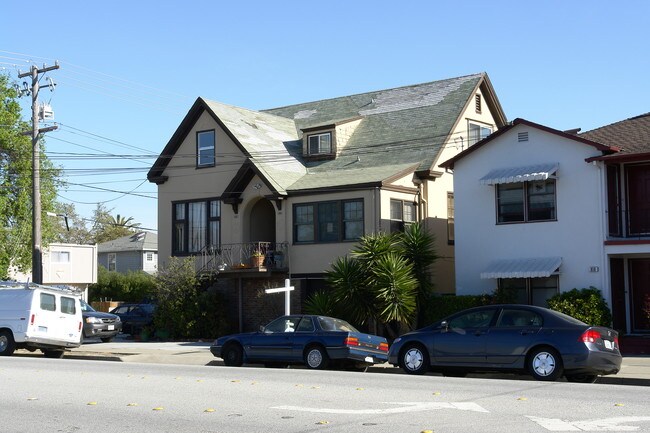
{"type": "Point", "coordinates": [320, 144]}
{"type": "Point", "coordinates": [112, 261]}
{"type": "Point", "coordinates": [205, 148]}
{"type": "Point", "coordinates": [477, 132]}
{"type": "Point", "coordinates": [402, 213]}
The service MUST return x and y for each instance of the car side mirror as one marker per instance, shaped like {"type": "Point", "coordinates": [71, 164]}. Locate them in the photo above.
{"type": "Point", "coordinates": [262, 328]}
{"type": "Point", "coordinates": [444, 326]}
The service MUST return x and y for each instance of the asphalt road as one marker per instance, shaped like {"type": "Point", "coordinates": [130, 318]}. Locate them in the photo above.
{"type": "Point", "coordinates": [72, 395]}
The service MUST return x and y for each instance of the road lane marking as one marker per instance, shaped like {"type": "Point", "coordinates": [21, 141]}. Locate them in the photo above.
{"type": "Point", "coordinates": [404, 407]}
{"type": "Point", "coordinates": [604, 424]}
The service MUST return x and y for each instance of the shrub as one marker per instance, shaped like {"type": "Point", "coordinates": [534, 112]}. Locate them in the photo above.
{"type": "Point", "coordinates": [586, 305]}
{"type": "Point", "coordinates": [134, 286]}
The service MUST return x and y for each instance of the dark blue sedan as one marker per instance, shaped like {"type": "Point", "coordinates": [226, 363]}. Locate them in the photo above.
{"type": "Point", "coordinates": [543, 343]}
{"type": "Point", "coordinates": [315, 341]}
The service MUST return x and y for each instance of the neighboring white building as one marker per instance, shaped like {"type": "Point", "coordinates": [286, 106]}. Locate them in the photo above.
{"type": "Point", "coordinates": [530, 213]}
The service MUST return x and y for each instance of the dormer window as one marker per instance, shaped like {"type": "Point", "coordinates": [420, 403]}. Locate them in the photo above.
{"type": "Point", "coordinates": [205, 149]}
{"type": "Point", "coordinates": [320, 144]}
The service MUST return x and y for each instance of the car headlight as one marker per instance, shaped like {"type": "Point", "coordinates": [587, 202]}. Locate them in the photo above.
{"type": "Point", "coordinates": [93, 320]}
{"type": "Point", "coordinates": [117, 319]}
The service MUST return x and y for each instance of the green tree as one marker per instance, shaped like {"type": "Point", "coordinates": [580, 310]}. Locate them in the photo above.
{"type": "Point", "coordinates": [177, 297]}
{"type": "Point", "coordinates": [16, 186]}
{"type": "Point", "coordinates": [376, 285]}
{"type": "Point", "coordinates": [75, 229]}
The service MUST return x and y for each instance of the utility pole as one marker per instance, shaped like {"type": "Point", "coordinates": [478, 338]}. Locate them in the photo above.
{"type": "Point", "coordinates": [37, 252]}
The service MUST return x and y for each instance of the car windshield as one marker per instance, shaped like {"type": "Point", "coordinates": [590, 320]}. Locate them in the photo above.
{"type": "Point", "coordinates": [85, 307]}
{"type": "Point", "coordinates": [332, 324]}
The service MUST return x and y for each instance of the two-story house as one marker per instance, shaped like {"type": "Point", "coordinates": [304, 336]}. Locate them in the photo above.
{"type": "Point", "coordinates": [540, 211]}
{"type": "Point", "coordinates": [136, 252]}
{"type": "Point", "coordinates": [301, 184]}
{"type": "Point", "coordinates": [626, 190]}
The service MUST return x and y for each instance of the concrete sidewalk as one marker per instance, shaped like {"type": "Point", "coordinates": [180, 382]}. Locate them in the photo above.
{"type": "Point", "coordinates": [634, 371]}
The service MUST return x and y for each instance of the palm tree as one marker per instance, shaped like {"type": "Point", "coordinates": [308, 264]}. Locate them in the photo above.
{"type": "Point", "coordinates": [120, 221]}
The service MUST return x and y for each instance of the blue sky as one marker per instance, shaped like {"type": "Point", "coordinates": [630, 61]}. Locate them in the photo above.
{"type": "Point", "coordinates": [131, 70]}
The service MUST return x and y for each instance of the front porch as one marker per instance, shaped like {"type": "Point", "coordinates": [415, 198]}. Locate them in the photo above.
{"type": "Point", "coordinates": [244, 257]}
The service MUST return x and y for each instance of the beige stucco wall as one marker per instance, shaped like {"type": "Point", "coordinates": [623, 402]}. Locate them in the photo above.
{"type": "Point", "coordinates": [436, 191]}
{"type": "Point", "coordinates": [186, 182]}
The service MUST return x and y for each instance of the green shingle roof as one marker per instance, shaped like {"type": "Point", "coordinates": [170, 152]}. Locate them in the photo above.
{"type": "Point", "coordinates": [401, 128]}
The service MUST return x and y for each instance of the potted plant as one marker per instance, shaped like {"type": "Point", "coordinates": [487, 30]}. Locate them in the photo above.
{"type": "Point", "coordinates": [257, 259]}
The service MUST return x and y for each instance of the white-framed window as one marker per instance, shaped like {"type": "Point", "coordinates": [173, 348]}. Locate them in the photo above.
{"type": "Point", "coordinates": [320, 144]}
{"type": "Point", "coordinates": [477, 132]}
{"type": "Point", "coordinates": [450, 218]}
{"type": "Point", "coordinates": [205, 148]}
{"type": "Point", "coordinates": [60, 256]}
{"type": "Point", "coordinates": [402, 213]}
{"type": "Point", "coordinates": [112, 261]}
{"type": "Point", "coordinates": [526, 202]}
{"type": "Point", "coordinates": [149, 257]}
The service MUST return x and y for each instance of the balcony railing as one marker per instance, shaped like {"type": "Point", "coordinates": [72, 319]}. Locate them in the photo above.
{"type": "Point", "coordinates": [255, 256]}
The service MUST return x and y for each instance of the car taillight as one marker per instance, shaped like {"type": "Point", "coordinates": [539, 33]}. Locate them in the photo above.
{"type": "Point", "coordinates": [31, 322]}
{"type": "Point", "coordinates": [590, 336]}
{"type": "Point", "coordinates": [383, 347]}
{"type": "Point", "coordinates": [351, 341]}
{"type": "Point", "coordinates": [80, 325]}
{"type": "Point", "coordinates": [616, 341]}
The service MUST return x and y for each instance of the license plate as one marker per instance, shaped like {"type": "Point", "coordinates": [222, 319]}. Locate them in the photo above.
{"type": "Point", "coordinates": [111, 327]}
{"type": "Point", "coordinates": [609, 344]}
{"type": "Point", "coordinates": [368, 359]}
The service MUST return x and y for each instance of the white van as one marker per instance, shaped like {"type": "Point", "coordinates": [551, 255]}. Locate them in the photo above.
{"type": "Point", "coordinates": [34, 316]}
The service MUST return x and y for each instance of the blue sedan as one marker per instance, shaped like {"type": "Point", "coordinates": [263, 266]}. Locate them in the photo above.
{"type": "Point", "coordinates": [314, 341]}
{"type": "Point", "coordinates": [542, 342]}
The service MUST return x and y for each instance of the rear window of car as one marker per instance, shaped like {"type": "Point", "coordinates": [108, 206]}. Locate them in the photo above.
{"type": "Point", "coordinates": [332, 324]}
{"type": "Point", "coordinates": [68, 306]}
{"type": "Point", "coordinates": [48, 302]}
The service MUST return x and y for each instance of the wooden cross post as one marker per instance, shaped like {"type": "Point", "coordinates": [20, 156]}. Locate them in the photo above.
{"type": "Point", "coordinates": [286, 289]}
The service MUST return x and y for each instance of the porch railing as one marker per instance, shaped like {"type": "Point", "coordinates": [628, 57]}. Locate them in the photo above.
{"type": "Point", "coordinates": [250, 255]}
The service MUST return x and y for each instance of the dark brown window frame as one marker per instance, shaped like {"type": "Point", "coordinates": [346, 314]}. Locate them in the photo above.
{"type": "Point", "coordinates": [315, 224]}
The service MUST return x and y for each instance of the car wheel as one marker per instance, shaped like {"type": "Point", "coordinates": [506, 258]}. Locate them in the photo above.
{"type": "Point", "coordinates": [106, 339]}
{"type": "Point", "coordinates": [233, 355]}
{"type": "Point", "coordinates": [316, 358]}
{"type": "Point", "coordinates": [7, 343]}
{"type": "Point", "coordinates": [53, 353]}
{"type": "Point", "coordinates": [581, 378]}
{"type": "Point", "coordinates": [414, 360]}
{"type": "Point", "coordinates": [545, 364]}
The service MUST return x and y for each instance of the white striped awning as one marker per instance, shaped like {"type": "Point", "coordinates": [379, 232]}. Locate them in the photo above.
{"type": "Point", "coordinates": [520, 174]}
{"type": "Point", "coordinates": [522, 268]}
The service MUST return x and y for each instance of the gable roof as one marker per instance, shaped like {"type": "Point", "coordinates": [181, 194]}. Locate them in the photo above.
{"type": "Point", "coordinates": [141, 241]}
{"type": "Point", "coordinates": [449, 164]}
{"type": "Point", "coordinates": [399, 128]}
{"type": "Point", "coordinates": [631, 135]}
